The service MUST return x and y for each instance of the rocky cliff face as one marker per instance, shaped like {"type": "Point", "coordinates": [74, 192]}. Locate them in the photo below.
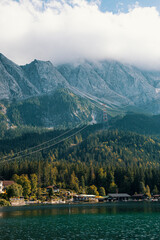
{"type": "Point", "coordinates": [44, 76]}
{"type": "Point", "coordinates": [113, 81]}
{"type": "Point", "coordinates": [21, 82]}
{"type": "Point", "coordinates": [13, 82]}
{"type": "Point", "coordinates": [120, 87]}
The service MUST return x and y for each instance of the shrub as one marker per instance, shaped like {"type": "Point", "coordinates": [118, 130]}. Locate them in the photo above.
{"type": "Point", "coordinates": [4, 203]}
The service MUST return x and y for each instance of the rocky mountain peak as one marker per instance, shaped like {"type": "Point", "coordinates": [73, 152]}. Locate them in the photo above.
{"type": "Point", "coordinates": [113, 83]}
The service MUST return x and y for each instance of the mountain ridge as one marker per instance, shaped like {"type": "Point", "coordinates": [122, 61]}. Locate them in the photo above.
{"type": "Point", "coordinates": [109, 85]}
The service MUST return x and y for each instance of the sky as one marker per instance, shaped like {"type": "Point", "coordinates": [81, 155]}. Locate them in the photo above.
{"type": "Point", "coordinates": [116, 5]}
{"type": "Point", "coordinates": [72, 30]}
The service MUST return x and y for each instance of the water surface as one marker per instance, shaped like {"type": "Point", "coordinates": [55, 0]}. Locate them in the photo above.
{"type": "Point", "coordinates": [95, 221]}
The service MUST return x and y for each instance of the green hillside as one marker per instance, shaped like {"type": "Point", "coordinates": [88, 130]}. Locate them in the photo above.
{"type": "Point", "coordinates": [109, 159]}
{"type": "Point", "coordinates": [59, 109]}
{"type": "Point", "coordinates": [140, 123]}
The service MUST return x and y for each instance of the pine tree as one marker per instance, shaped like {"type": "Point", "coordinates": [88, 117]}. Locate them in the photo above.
{"type": "Point", "coordinates": [102, 191]}
{"type": "Point", "coordinates": [34, 183]}
{"type": "Point", "coordinates": [148, 193]}
{"type": "Point", "coordinates": [155, 190]}
{"type": "Point", "coordinates": [74, 182]}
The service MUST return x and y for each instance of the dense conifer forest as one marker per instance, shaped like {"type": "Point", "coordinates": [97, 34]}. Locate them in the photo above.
{"type": "Point", "coordinates": [92, 160]}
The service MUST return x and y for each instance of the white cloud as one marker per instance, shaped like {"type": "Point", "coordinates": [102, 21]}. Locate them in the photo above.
{"type": "Point", "coordinates": [63, 31]}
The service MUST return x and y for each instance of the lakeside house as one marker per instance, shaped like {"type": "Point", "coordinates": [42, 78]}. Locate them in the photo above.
{"type": "Point", "coordinates": [156, 197]}
{"type": "Point", "coordinates": [111, 197]}
{"type": "Point", "coordinates": [118, 197]}
{"type": "Point", "coordinates": [1, 187]}
{"type": "Point", "coordinates": [85, 198]}
{"type": "Point", "coordinates": [5, 184]}
{"type": "Point", "coordinates": [102, 198]}
{"type": "Point", "coordinates": [139, 197]}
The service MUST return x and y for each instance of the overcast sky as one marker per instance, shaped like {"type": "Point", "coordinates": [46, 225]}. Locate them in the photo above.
{"type": "Point", "coordinates": [72, 30]}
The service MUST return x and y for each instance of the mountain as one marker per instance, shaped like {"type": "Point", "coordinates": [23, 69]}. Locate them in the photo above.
{"type": "Point", "coordinates": [60, 108]}
{"type": "Point", "coordinates": [110, 81]}
{"type": "Point", "coordinates": [44, 76]}
{"type": "Point", "coordinates": [40, 93]}
{"type": "Point", "coordinates": [13, 82]}
{"type": "Point", "coordinates": [20, 82]}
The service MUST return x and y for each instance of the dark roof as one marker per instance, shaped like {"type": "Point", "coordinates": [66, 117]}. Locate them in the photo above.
{"type": "Point", "coordinates": [139, 195]}
{"type": "Point", "coordinates": [115, 195]}
{"type": "Point", "coordinates": [7, 183]}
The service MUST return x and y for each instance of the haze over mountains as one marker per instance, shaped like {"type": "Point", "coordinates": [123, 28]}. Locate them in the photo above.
{"type": "Point", "coordinates": [85, 86]}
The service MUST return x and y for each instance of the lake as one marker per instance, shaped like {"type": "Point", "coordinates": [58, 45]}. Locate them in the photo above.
{"type": "Point", "coordinates": [140, 220]}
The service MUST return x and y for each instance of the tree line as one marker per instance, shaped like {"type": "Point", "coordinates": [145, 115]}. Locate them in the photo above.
{"type": "Point", "coordinates": [100, 163]}
{"type": "Point", "coordinates": [83, 177]}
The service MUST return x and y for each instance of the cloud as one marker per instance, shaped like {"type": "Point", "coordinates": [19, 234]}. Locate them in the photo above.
{"type": "Point", "coordinates": [68, 31]}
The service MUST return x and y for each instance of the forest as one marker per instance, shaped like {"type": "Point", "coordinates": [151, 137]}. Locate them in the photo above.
{"type": "Point", "coordinates": [92, 160]}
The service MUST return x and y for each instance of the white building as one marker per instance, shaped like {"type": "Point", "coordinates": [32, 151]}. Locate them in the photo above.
{"type": "Point", "coordinates": [4, 185]}
{"type": "Point", "coordinates": [84, 198]}
{"type": "Point", "coordinates": [1, 186]}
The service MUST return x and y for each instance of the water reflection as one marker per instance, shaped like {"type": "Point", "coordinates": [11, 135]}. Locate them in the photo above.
{"type": "Point", "coordinates": [109, 208]}
{"type": "Point", "coordinates": [113, 221]}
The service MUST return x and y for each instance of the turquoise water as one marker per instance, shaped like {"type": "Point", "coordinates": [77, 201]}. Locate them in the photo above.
{"type": "Point", "coordinates": [99, 221]}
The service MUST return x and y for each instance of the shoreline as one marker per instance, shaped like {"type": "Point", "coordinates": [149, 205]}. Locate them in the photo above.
{"type": "Point", "coordinates": [67, 204]}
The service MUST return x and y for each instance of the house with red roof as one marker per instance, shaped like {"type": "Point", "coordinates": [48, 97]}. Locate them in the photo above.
{"type": "Point", "coordinates": [5, 184]}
